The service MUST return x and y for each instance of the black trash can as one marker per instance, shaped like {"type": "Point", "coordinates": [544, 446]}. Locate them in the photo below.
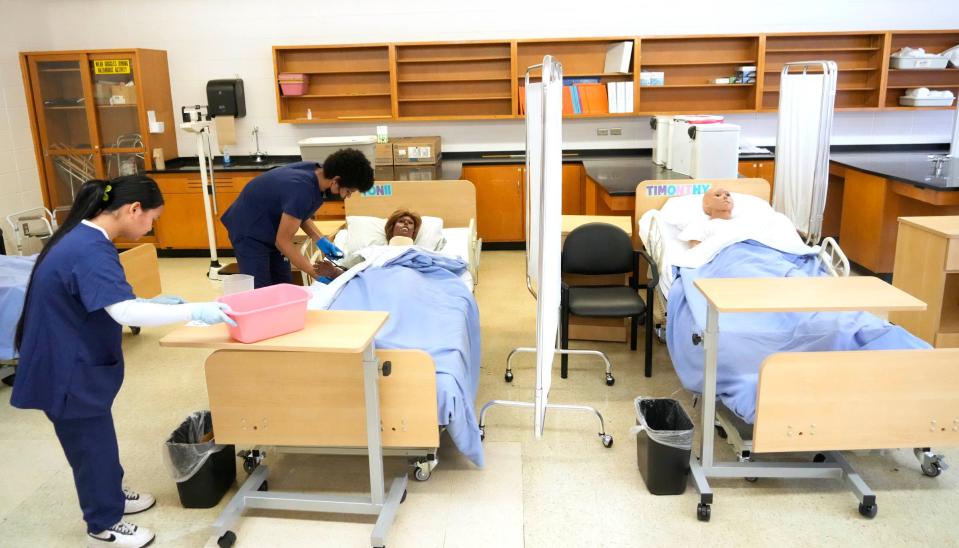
{"type": "Point", "coordinates": [663, 445]}
{"type": "Point", "coordinates": [203, 470]}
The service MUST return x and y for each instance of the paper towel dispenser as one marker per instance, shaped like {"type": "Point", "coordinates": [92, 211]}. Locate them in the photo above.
{"type": "Point", "coordinates": [225, 98]}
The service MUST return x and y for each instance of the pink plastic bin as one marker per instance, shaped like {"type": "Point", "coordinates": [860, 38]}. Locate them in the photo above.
{"type": "Point", "coordinates": [267, 312]}
{"type": "Point", "coordinates": [293, 83]}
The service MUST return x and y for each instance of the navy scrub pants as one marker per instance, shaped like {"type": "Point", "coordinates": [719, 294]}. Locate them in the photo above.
{"type": "Point", "coordinates": [262, 261]}
{"type": "Point", "coordinates": [90, 445]}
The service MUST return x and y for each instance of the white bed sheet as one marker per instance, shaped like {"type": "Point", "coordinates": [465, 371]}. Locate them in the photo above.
{"type": "Point", "coordinates": [457, 244]}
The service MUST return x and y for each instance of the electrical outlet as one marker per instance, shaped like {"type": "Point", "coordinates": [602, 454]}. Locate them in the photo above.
{"type": "Point", "coordinates": [616, 131]}
{"type": "Point", "coordinates": [602, 131]}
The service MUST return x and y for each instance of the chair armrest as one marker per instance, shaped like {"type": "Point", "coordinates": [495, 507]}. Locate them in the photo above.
{"type": "Point", "coordinates": [654, 280]}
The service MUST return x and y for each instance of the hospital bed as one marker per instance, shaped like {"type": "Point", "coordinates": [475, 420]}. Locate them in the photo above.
{"type": "Point", "coordinates": [453, 201]}
{"type": "Point", "coordinates": [139, 264]}
{"type": "Point", "coordinates": [828, 396]}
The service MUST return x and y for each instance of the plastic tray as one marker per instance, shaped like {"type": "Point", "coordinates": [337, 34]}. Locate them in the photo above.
{"type": "Point", "coordinates": [267, 312]}
{"type": "Point", "coordinates": [918, 63]}
{"type": "Point", "coordinates": [926, 101]}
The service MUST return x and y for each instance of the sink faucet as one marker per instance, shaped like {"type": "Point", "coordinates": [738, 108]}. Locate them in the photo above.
{"type": "Point", "coordinates": [259, 156]}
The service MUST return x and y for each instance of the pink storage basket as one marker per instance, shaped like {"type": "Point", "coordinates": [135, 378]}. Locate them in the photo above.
{"type": "Point", "coordinates": [293, 83]}
{"type": "Point", "coordinates": [267, 312]}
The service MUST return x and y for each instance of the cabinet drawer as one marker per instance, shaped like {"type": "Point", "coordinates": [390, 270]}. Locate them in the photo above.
{"type": "Point", "coordinates": [191, 185]}
{"type": "Point", "coordinates": [952, 255]}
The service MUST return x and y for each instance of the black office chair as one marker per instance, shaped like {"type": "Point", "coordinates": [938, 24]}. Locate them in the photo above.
{"type": "Point", "coordinates": [603, 249]}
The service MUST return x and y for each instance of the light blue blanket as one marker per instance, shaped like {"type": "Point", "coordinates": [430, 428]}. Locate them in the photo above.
{"type": "Point", "coordinates": [14, 275]}
{"type": "Point", "coordinates": [430, 309]}
{"type": "Point", "coordinates": [745, 340]}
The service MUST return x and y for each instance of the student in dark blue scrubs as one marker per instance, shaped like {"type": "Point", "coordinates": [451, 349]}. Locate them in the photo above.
{"type": "Point", "coordinates": [69, 334]}
{"type": "Point", "coordinates": [264, 218]}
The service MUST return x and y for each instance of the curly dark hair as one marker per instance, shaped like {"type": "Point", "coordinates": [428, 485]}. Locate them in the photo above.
{"type": "Point", "coordinates": [352, 167]}
{"type": "Point", "coordinates": [396, 216]}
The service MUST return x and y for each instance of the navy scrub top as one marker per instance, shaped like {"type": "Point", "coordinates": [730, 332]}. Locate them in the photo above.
{"type": "Point", "coordinates": [292, 189]}
{"type": "Point", "coordinates": [71, 362]}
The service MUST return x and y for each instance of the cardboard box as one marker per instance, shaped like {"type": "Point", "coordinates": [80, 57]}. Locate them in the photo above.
{"type": "Point", "coordinates": [384, 154]}
{"type": "Point", "coordinates": [123, 95]}
{"type": "Point", "coordinates": [416, 150]}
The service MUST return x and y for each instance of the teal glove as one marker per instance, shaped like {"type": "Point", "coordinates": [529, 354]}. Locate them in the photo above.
{"type": "Point", "coordinates": [211, 313]}
{"type": "Point", "coordinates": [326, 246]}
{"type": "Point", "coordinates": [164, 299]}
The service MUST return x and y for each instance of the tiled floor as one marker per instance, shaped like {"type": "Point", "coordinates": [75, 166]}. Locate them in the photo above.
{"type": "Point", "coordinates": [563, 490]}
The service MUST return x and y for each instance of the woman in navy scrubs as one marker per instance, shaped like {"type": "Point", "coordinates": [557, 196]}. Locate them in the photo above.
{"type": "Point", "coordinates": [264, 218]}
{"type": "Point", "coordinates": [69, 334]}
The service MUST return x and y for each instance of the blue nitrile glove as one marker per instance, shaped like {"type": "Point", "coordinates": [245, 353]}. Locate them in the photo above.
{"type": "Point", "coordinates": [165, 299]}
{"type": "Point", "coordinates": [328, 249]}
{"type": "Point", "coordinates": [324, 279]}
{"type": "Point", "coordinates": [211, 313]}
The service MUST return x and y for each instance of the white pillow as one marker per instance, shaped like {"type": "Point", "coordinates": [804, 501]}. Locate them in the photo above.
{"type": "Point", "coordinates": [683, 210]}
{"type": "Point", "coordinates": [430, 235]}
{"type": "Point", "coordinates": [365, 231]}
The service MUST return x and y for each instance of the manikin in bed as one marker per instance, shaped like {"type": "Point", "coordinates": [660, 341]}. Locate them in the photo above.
{"type": "Point", "coordinates": [740, 236]}
{"type": "Point", "coordinates": [429, 297]}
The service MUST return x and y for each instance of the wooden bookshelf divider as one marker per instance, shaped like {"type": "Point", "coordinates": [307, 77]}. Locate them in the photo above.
{"type": "Point", "coordinates": [484, 79]}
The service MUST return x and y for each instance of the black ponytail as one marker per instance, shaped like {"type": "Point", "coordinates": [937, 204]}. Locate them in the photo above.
{"type": "Point", "coordinates": [95, 197]}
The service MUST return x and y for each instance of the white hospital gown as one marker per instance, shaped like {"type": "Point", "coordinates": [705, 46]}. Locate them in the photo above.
{"type": "Point", "coordinates": [700, 229]}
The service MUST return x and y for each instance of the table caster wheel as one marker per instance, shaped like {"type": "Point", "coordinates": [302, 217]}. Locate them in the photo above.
{"type": "Point", "coordinates": [932, 470]}
{"type": "Point", "coordinates": [607, 440]}
{"type": "Point", "coordinates": [721, 432]}
{"type": "Point", "coordinates": [482, 433]}
{"type": "Point", "coordinates": [819, 458]}
{"type": "Point", "coordinates": [265, 486]}
{"type": "Point", "coordinates": [703, 512]}
{"type": "Point", "coordinates": [508, 376]}
{"type": "Point", "coordinates": [421, 474]}
{"type": "Point", "coordinates": [868, 511]}
{"type": "Point", "coordinates": [403, 499]}
{"type": "Point", "coordinates": [610, 381]}
{"type": "Point", "coordinates": [226, 540]}
{"type": "Point", "coordinates": [249, 465]}
{"type": "Point", "coordinates": [135, 330]}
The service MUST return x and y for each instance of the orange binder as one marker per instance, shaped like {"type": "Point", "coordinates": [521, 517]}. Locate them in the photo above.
{"type": "Point", "coordinates": [567, 100]}
{"type": "Point", "coordinates": [593, 97]}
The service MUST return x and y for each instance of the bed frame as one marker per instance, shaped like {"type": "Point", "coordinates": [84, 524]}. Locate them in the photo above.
{"type": "Point", "coordinates": [454, 201]}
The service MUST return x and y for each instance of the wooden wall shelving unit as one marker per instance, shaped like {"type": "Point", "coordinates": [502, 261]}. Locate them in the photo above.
{"type": "Point", "coordinates": [483, 79]}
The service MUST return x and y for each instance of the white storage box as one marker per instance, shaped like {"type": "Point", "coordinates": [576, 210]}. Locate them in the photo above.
{"type": "Point", "coordinates": [680, 144]}
{"type": "Point", "coordinates": [316, 149]}
{"type": "Point", "coordinates": [926, 101]}
{"type": "Point", "coordinates": [918, 63]}
{"type": "Point", "coordinates": [660, 126]}
{"type": "Point", "coordinates": [715, 151]}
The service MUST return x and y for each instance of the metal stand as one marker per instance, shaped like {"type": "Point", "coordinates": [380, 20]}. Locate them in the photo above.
{"type": "Point", "coordinates": [552, 75]}
{"type": "Point", "coordinates": [201, 127]}
{"type": "Point", "coordinates": [383, 504]}
{"type": "Point", "coordinates": [567, 351]}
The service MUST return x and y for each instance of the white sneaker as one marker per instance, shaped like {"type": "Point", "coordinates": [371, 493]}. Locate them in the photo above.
{"type": "Point", "coordinates": [122, 535]}
{"type": "Point", "coordinates": [136, 502]}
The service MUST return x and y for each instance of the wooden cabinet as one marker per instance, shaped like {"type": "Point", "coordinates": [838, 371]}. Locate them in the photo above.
{"type": "Point", "coordinates": [927, 267]}
{"type": "Point", "coordinates": [500, 201]}
{"type": "Point", "coordinates": [501, 198]}
{"type": "Point", "coordinates": [183, 223]}
{"type": "Point", "coordinates": [88, 112]}
{"type": "Point", "coordinates": [762, 169]}
{"type": "Point", "coordinates": [484, 79]}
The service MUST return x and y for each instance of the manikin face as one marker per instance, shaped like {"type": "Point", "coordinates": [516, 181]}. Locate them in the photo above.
{"type": "Point", "coordinates": [405, 226]}
{"type": "Point", "coordinates": [718, 203]}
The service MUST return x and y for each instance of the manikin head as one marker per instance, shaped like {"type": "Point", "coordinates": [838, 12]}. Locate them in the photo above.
{"type": "Point", "coordinates": [718, 203]}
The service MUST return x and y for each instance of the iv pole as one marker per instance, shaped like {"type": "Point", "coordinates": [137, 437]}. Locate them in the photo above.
{"type": "Point", "coordinates": [194, 122]}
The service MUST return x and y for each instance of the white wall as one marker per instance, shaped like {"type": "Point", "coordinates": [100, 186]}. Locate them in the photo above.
{"type": "Point", "coordinates": [222, 38]}
{"type": "Point", "coordinates": [19, 183]}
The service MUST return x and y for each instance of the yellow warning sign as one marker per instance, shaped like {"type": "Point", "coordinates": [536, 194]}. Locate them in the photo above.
{"type": "Point", "coordinates": [111, 66]}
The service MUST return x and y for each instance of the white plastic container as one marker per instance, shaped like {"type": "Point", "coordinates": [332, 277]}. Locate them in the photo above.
{"type": "Point", "coordinates": [926, 101]}
{"type": "Point", "coordinates": [918, 63]}
{"type": "Point", "coordinates": [715, 151]}
{"type": "Point", "coordinates": [660, 127]}
{"type": "Point", "coordinates": [316, 149]}
{"type": "Point", "coordinates": [679, 157]}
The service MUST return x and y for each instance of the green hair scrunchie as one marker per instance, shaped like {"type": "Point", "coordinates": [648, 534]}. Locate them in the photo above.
{"type": "Point", "coordinates": [106, 193]}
